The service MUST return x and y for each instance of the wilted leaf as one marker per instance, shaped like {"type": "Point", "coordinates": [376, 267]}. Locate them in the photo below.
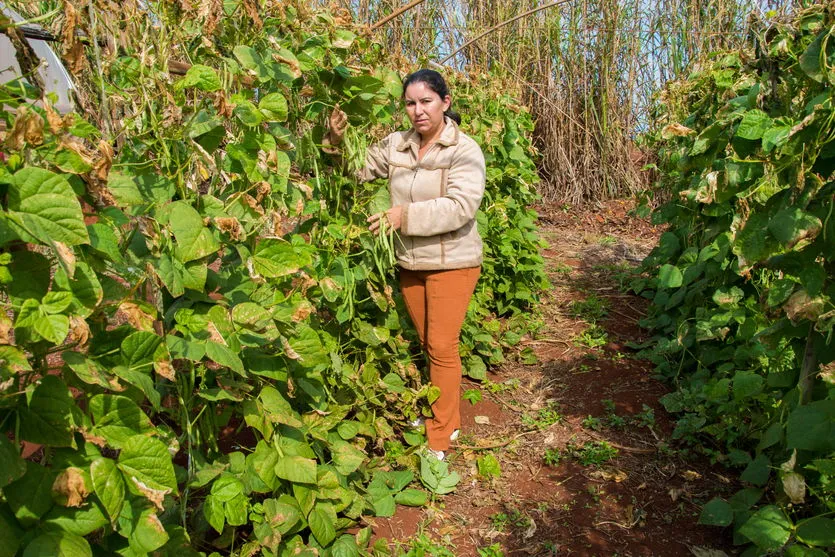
{"type": "Point", "coordinates": [70, 488]}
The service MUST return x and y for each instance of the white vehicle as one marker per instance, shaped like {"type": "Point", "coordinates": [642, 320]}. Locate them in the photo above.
{"type": "Point", "coordinates": [53, 74]}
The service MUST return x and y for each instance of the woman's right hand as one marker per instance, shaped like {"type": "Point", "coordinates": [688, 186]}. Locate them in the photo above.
{"type": "Point", "coordinates": [337, 124]}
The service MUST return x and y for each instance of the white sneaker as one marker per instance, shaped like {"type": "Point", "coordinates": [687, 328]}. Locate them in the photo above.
{"type": "Point", "coordinates": [455, 434]}
{"type": "Point", "coordinates": [437, 454]}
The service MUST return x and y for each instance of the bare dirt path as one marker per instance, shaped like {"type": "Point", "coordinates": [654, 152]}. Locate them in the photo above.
{"type": "Point", "coordinates": [587, 463]}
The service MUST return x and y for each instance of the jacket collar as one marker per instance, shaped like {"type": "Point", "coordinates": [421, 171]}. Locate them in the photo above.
{"type": "Point", "coordinates": [449, 136]}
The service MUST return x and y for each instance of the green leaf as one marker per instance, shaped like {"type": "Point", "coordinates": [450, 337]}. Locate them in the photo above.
{"type": "Point", "coordinates": [124, 189]}
{"type": "Point", "coordinates": [412, 498]}
{"type": "Point", "coordinates": [47, 419]}
{"type": "Point", "coordinates": [757, 471]}
{"type": "Point", "coordinates": [818, 531]}
{"type": "Point", "coordinates": [71, 162]}
{"type": "Point", "coordinates": [435, 475]}
{"type": "Point", "coordinates": [282, 513]}
{"type": "Point", "coordinates": [43, 208]}
{"type": "Point", "coordinates": [716, 513]}
{"type": "Point", "coordinates": [53, 328]}
{"type": "Point", "coordinates": [248, 114]}
{"type": "Point", "coordinates": [296, 469]}
{"type": "Point", "coordinates": [306, 347]}
{"type": "Point", "coordinates": [810, 60]}
{"type": "Point", "coordinates": [346, 457]}
{"type": "Point", "coordinates": [194, 240]}
{"type": "Point", "coordinates": [488, 466]}
{"type": "Point", "coordinates": [224, 356]}
{"type": "Point", "coordinates": [226, 488]}
{"type": "Point", "coordinates": [146, 460]}
{"type": "Point", "coordinates": [384, 505]}
{"type": "Point", "coordinates": [768, 528]}
{"type": "Point", "coordinates": [30, 497]}
{"type": "Point", "coordinates": [248, 57]}
{"type": "Point", "coordinates": [476, 368]}
{"type": "Point", "coordinates": [85, 287]}
{"type": "Point", "coordinates": [792, 224]}
{"type": "Point", "coordinates": [274, 107]}
{"type": "Point", "coordinates": [213, 511]}
{"type": "Point", "coordinates": [343, 38]}
{"type": "Point", "coordinates": [669, 276]}
{"type": "Point", "coordinates": [345, 546]}
{"type": "Point", "coordinates": [58, 544]}
{"type": "Point", "coordinates": [118, 419]}
{"type": "Point", "coordinates": [108, 486]}
{"type": "Point", "coordinates": [753, 125]}
{"type": "Point", "coordinates": [138, 350]}
{"type": "Point", "coordinates": [79, 521]}
{"type": "Point", "coordinates": [775, 137]}
{"type": "Point", "coordinates": [56, 302]}
{"type": "Point", "coordinates": [200, 76]}
{"type": "Point", "coordinates": [812, 427]}
{"type": "Point", "coordinates": [274, 258]}
{"type": "Point", "coordinates": [277, 409]}
{"type": "Point", "coordinates": [322, 520]}
{"type": "Point", "coordinates": [12, 466]}
{"type": "Point", "coordinates": [147, 534]}
{"type": "Point", "coordinates": [10, 533]}
{"type": "Point", "coordinates": [747, 384]}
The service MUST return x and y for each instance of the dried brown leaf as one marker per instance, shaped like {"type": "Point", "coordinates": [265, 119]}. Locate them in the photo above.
{"type": "Point", "coordinates": [101, 168]}
{"type": "Point", "coordinates": [165, 369]}
{"type": "Point", "coordinates": [214, 334]}
{"type": "Point", "coordinates": [231, 226]}
{"type": "Point", "coordinates": [70, 488]}
{"type": "Point", "coordinates": [155, 496]}
{"type": "Point", "coordinates": [137, 316]}
{"type": "Point", "coordinates": [79, 330]}
{"type": "Point", "coordinates": [27, 129]}
{"type": "Point", "coordinates": [5, 330]}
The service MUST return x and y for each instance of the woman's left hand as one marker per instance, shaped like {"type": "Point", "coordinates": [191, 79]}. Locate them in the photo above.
{"type": "Point", "coordinates": [393, 218]}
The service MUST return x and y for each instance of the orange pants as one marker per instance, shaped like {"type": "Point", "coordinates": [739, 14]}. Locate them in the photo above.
{"type": "Point", "coordinates": [437, 303]}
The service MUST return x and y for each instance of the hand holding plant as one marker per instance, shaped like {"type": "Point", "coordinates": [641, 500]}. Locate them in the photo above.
{"type": "Point", "coordinates": [337, 125]}
{"type": "Point", "coordinates": [393, 219]}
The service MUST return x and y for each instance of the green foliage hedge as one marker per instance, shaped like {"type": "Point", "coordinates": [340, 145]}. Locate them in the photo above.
{"type": "Point", "coordinates": [202, 348]}
{"type": "Point", "coordinates": [741, 282]}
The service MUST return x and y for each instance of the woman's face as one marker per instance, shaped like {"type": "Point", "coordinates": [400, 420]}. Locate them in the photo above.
{"type": "Point", "coordinates": [425, 109]}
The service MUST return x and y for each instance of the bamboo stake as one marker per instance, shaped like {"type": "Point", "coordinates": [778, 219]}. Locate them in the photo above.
{"type": "Point", "coordinates": [396, 13]}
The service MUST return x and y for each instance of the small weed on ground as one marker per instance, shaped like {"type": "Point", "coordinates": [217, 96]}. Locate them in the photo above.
{"type": "Point", "coordinates": [494, 550]}
{"type": "Point", "coordinates": [593, 337]}
{"type": "Point", "coordinates": [473, 396]}
{"type": "Point", "coordinates": [593, 453]}
{"type": "Point", "coordinates": [543, 418]}
{"type": "Point", "coordinates": [503, 387]}
{"type": "Point", "coordinates": [552, 457]}
{"type": "Point", "coordinates": [513, 519]}
{"type": "Point", "coordinates": [592, 309]}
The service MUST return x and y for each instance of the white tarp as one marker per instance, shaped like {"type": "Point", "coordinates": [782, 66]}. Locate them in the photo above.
{"type": "Point", "coordinates": [55, 77]}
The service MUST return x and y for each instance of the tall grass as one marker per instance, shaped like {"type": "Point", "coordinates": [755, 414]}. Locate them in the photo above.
{"type": "Point", "coordinates": [589, 69]}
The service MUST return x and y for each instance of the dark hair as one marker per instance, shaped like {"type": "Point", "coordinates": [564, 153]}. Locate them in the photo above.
{"type": "Point", "coordinates": [434, 81]}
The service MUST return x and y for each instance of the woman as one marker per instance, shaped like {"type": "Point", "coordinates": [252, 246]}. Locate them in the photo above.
{"type": "Point", "coordinates": [436, 177]}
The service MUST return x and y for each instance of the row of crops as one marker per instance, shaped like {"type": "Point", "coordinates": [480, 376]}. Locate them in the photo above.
{"type": "Point", "coordinates": [202, 348]}
{"type": "Point", "coordinates": [741, 288]}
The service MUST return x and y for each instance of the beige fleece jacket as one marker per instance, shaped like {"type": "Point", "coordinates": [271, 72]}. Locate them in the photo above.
{"type": "Point", "coordinates": [440, 195]}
